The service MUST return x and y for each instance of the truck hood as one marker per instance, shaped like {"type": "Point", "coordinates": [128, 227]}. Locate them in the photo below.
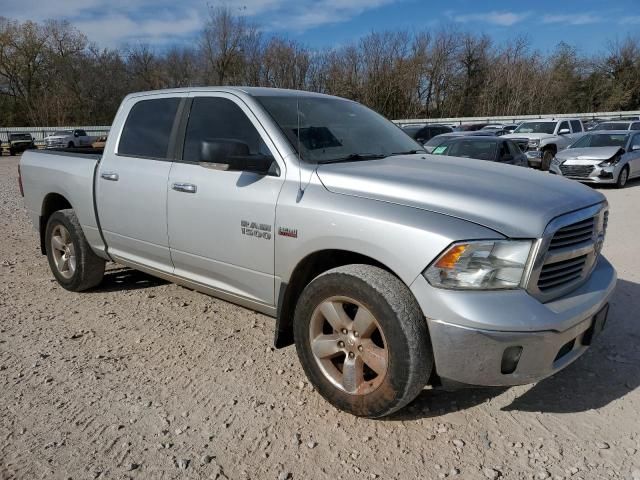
{"type": "Point", "coordinates": [588, 153]}
{"type": "Point", "coordinates": [515, 201]}
{"type": "Point", "coordinates": [531, 136]}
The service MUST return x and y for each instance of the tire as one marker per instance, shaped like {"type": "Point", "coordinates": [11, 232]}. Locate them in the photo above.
{"type": "Point", "coordinates": [12, 152]}
{"type": "Point", "coordinates": [73, 263]}
{"type": "Point", "coordinates": [547, 156]}
{"type": "Point", "coordinates": [71, 145]}
{"type": "Point", "coordinates": [623, 177]}
{"type": "Point", "coordinates": [355, 294]}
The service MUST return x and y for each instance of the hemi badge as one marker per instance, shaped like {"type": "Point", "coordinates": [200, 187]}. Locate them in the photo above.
{"type": "Point", "coordinates": [288, 232]}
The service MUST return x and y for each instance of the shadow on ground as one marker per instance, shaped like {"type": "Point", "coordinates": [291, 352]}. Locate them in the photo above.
{"type": "Point", "coordinates": [122, 279]}
{"type": "Point", "coordinates": [605, 373]}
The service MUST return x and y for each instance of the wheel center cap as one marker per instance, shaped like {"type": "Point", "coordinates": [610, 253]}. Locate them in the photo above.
{"type": "Point", "coordinates": [350, 341]}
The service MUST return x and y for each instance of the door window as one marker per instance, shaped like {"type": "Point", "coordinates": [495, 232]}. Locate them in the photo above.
{"type": "Point", "coordinates": [147, 130]}
{"type": "Point", "coordinates": [514, 149]}
{"type": "Point", "coordinates": [635, 126]}
{"type": "Point", "coordinates": [576, 126]}
{"type": "Point", "coordinates": [216, 118]}
{"type": "Point", "coordinates": [563, 125]}
{"type": "Point", "coordinates": [635, 143]}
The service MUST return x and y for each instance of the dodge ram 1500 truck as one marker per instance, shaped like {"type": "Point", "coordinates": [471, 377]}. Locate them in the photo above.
{"type": "Point", "coordinates": [387, 267]}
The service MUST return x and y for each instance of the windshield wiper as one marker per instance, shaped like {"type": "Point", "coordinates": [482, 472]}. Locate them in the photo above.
{"type": "Point", "coordinates": [409, 152]}
{"type": "Point", "coordinates": [353, 157]}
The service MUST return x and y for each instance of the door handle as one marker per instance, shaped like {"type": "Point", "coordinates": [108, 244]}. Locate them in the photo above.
{"type": "Point", "coordinates": [110, 176]}
{"type": "Point", "coordinates": [184, 187]}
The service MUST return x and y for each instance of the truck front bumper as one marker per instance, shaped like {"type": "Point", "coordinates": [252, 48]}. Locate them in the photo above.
{"type": "Point", "coordinates": [502, 338]}
{"type": "Point", "coordinates": [534, 157]}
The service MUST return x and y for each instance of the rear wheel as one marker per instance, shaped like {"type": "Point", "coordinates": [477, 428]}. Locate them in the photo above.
{"type": "Point", "coordinates": [547, 156]}
{"type": "Point", "coordinates": [623, 177]}
{"type": "Point", "coordinates": [362, 340]}
{"type": "Point", "coordinates": [73, 263]}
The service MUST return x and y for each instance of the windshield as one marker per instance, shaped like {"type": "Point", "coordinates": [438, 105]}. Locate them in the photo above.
{"type": "Point", "coordinates": [438, 139]}
{"type": "Point", "coordinates": [536, 127]}
{"type": "Point", "coordinates": [480, 149]}
{"type": "Point", "coordinates": [332, 129]}
{"type": "Point", "coordinates": [613, 126]}
{"type": "Point", "coordinates": [20, 136]}
{"type": "Point", "coordinates": [601, 140]}
{"type": "Point", "coordinates": [62, 133]}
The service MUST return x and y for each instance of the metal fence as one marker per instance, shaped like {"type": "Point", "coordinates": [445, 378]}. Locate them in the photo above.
{"type": "Point", "coordinates": [519, 118]}
{"type": "Point", "coordinates": [39, 133]}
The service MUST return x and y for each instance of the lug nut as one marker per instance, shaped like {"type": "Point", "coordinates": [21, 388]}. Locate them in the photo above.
{"type": "Point", "coordinates": [351, 354]}
{"type": "Point", "coordinates": [355, 334]}
{"type": "Point", "coordinates": [341, 344]}
{"type": "Point", "coordinates": [360, 348]}
{"type": "Point", "coordinates": [344, 331]}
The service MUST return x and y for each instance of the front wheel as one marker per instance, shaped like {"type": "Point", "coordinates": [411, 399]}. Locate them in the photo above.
{"type": "Point", "coordinates": [362, 340]}
{"type": "Point", "coordinates": [73, 263]}
{"type": "Point", "coordinates": [623, 177]}
{"type": "Point", "coordinates": [71, 145]}
{"type": "Point", "coordinates": [547, 156]}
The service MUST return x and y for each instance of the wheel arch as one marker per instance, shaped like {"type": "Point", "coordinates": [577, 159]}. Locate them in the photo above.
{"type": "Point", "coordinates": [304, 272]}
{"type": "Point", "coordinates": [52, 203]}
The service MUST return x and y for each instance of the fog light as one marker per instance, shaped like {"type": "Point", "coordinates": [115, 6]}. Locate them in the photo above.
{"type": "Point", "coordinates": [510, 359]}
{"type": "Point", "coordinates": [608, 175]}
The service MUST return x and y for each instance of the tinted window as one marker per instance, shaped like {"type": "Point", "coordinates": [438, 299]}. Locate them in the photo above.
{"type": "Point", "coordinates": [514, 149]}
{"type": "Point", "coordinates": [613, 126]}
{"type": "Point", "coordinates": [601, 140]}
{"type": "Point", "coordinates": [563, 125]}
{"type": "Point", "coordinates": [635, 126]}
{"type": "Point", "coordinates": [148, 128]}
{"type": "Point", "coordinates": [214, 118]}
{"type": "Point", "coordinates": [576, 125]}
{"type": "Point", "coordinates": [81, 133]}
{"type": "Point", "coordinates": [437, 140]}
{"type": "Point", "coordinates": [635, 142]}
{"type": "Point", "coordinates": [480, 149]}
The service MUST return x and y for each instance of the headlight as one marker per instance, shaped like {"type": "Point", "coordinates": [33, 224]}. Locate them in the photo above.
{"type": "Point", "coordinates": [534, 142]}
{"type": "Point", "coordinates": [612, 161]}
{"type": "Point", "coordinates": [480, 265]}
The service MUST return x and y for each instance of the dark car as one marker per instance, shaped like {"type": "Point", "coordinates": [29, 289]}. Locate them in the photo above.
{"type": "Point", "coordinates": [19, 142]}
{"type": "Point", "coordinates": [424, 133]}
{"type": "Point", "coordinates": [470, 127]}
{"type": "Point", "coordinates": [494, 149]}
{"type": "Point", "coordinates": [440, 139]}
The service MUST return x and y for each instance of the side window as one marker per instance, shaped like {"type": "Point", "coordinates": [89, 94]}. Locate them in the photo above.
{"type": "Point", "coordinates": [563, 125]}
{"type": "Point", "coordinates": [148, 127]}
{"type": "Point", "coordinates": [81, 133]}
{"type": "Point", "coordinates": [576, 126]}
{"type": "Point", "coordinates": [504, 150]}
{"type": "Point", "coordinates": [635, 126]}
{"type": "Point", "coordinates": [214, 118]}
{"type": "Point", "coordinates": [635, 142]}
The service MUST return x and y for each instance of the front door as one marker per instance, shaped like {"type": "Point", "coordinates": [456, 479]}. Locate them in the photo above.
{"type": "Point", "coordinates": [221, 223]}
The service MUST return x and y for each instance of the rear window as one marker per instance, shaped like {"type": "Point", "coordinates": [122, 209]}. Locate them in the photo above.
{"type": "Point", "coordinates": [480, 149]}
{"type": "Point", "coordinates": [148, 127]}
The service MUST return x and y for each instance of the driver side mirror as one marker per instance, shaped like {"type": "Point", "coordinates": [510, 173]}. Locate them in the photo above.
{"type": "Point", "coordinates": [233, 155]}
{"type": "Point", "coordinates": [564, 131]}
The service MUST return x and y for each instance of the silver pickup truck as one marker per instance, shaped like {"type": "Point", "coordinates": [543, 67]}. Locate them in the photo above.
{"type": "Point", "coordinates": [387, 267]}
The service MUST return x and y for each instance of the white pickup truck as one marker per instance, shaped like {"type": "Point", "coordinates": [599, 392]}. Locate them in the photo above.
{"type": "Point", "coordinates": [387, 267]}
{"type": "Point", "coordinates": [69, 139]}
{"type": "Point", "coordinates": [544, 138]}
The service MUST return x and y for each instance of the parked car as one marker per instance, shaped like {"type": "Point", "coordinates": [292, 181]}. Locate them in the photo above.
{"type": "Point", "coordinates": [467, 127]}
{"type": "Point", "coordinates": [547, 137]}
{"type": "Point", "coordinates": [69, 139]}
{"type": "Point", "coordinates": [440, 139]}
{"type": "Point", "coordinates": [480, 147]}
{"type": "Point", "coordinates": [511, 127]}
{"type": "Point", "coordinates": [601, 157]}
{"type": "Point", "coordinates": [424, 133]}
{"type": "Point", "coordinates": [619, 125]}
{"type": "Point", "coordinates": [385, 267]}
{"type": "Point", "coordinates": [100, 142]}
{"type": "Point", "coordinates": [19, 142]}
{"type": "Point", "coordinates": [497, 129]}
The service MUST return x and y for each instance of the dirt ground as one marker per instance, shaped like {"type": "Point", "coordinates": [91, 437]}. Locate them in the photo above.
{"type": "Point", "coordinates": [145, 379]}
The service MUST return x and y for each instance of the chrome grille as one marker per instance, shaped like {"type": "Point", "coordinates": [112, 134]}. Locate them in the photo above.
{"type": "Point", "coordinates": [573, 234]}
{"type": "Point", "coordinates": [556, 274]}
{"type": "Point", "coordinates": [577, 171]}
{"type": "Point", "coordinates": [567, 252]}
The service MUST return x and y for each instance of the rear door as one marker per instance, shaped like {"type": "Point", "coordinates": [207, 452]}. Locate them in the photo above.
{"type": "Point", "coordinates": [131, 185]}
{"type": "Point", "coordinates": [221, 223]}
{"type": "Point", "coordinates": [634, 155]}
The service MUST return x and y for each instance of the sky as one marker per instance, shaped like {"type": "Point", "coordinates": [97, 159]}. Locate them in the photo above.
{"type": "Point", "coordinates": [587, 24]}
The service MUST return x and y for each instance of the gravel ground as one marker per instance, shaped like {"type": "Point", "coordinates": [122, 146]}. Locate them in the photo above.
{"type": "Point", "coordinates": [144, 379]}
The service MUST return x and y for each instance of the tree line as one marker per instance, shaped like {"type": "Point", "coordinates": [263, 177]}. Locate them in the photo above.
{"type": "Point", "coordinates": [51, 74]}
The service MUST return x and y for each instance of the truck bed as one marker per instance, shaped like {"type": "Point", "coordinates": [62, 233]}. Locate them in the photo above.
{"type": "Point", "coordinates": [51, 176]}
